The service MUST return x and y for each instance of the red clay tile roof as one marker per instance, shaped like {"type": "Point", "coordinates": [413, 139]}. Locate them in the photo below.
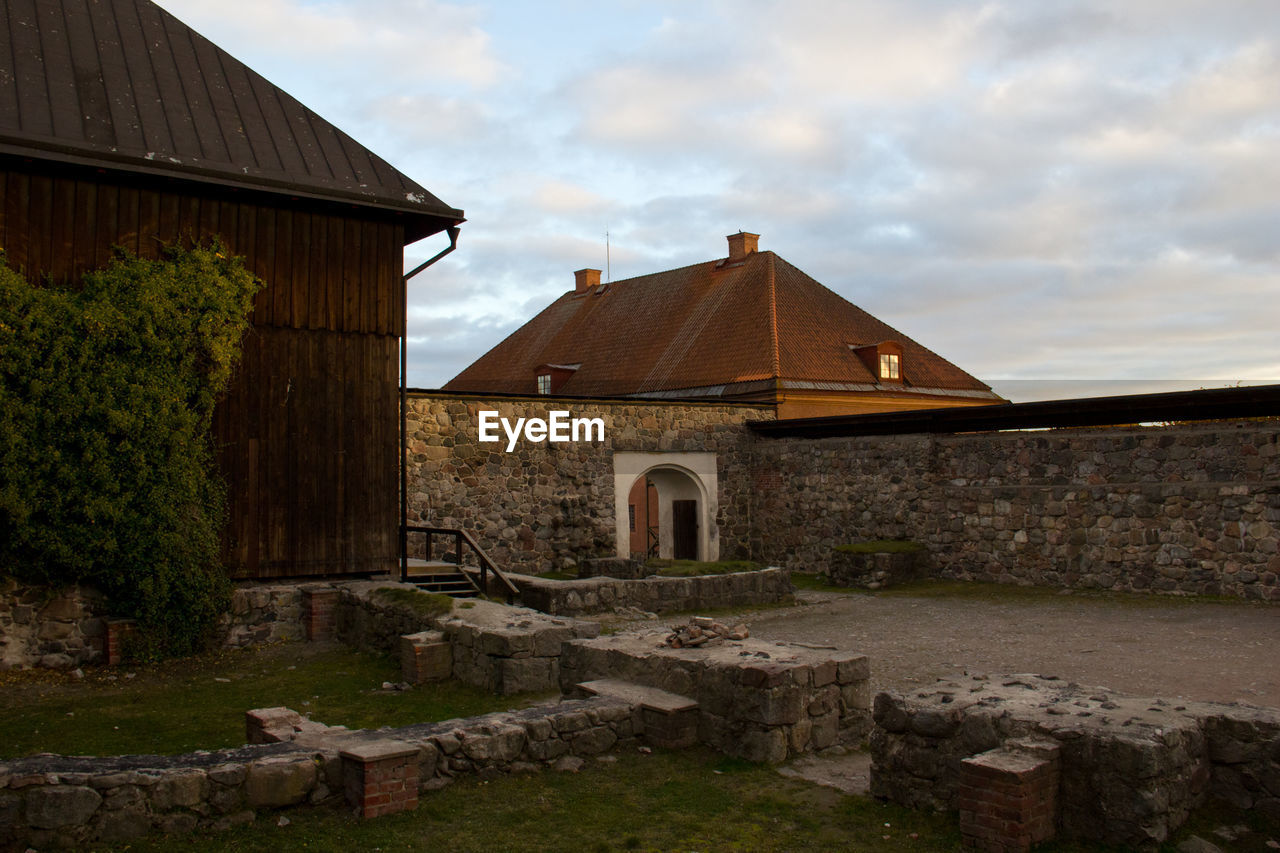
{"type": "Point", "coordinates": [123, 84]}
{"type": "Point", "coordinates": [705, 325]}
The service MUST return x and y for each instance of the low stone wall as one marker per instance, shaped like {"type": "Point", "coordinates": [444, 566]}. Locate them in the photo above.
{"type": "Point", "coordinates": [55, 801]}
{"type": "Point", "coordinates": [264, 613]}
{"type": "Point", "coordinates": [656, 594]}
{"type": "Point", "coordinates": [498, 648]}
{"type": "Point", "coordinates": [1131, 769]}
{"type": "Point", "coordinates": [51, 628]}
{"type": "Point", "coordinates": [760, 701]}
{"type": "Point", "coordinates": [614, 567]}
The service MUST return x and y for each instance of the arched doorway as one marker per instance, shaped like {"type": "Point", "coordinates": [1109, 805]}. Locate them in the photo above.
{"type": "Point", "coordinates": [666, 505]}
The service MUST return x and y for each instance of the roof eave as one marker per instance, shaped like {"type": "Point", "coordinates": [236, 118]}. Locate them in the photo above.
{"type": "Point", "coordinates": [37, 148]}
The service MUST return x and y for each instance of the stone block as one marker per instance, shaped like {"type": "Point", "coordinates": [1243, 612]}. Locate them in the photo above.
{"type": "Point", "coordinates": [425, 657]}
{"type": "Point", "coordinates": [764, 745]}
{"type": "Point", "coordinates": [852, 668]}
{"type": "Point", "coordinates": [270, 725]}
{"type": "Point", "coordinates": [59, 806]}
{"type": "Point", "coordinates": [123, 825]}
{"type": "Point", "coordinates": [276, 782]}
{"type": "Point", "coordinates": [183, 788]}
{"type": "Point", "coordinates": [669, 729]}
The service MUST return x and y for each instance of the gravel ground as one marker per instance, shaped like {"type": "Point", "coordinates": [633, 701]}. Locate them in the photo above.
{"type": "Point", "coordinates": [1211, 651]}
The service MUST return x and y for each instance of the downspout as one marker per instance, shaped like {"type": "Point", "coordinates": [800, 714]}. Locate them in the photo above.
{"type": "Point", "coordinates": [404, 402]}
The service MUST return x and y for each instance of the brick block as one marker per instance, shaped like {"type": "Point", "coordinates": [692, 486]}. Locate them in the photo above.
{"type": "Point", "coordinates": [319, 605]}
{"type": "Point", "coordinates": [1007, 798]}
{"type": "Point", "coordinates": [381, 777]}
{"type": "Point", "coordinates": [118, 631]}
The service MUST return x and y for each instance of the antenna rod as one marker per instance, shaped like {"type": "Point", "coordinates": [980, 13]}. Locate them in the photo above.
{"type": "Point", "coordinates": [608, 267]}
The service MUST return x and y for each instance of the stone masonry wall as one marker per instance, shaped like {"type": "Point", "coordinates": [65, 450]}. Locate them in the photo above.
{"type": "Point", "coordinates": [1192, 508]}
{"type": "Point", "coordinates": [59, 628]}
{"type": "Point", "coordinates": [544, 505]}
{"type": "Point", "coordinates": [50, 628]}
{"type": "Point", "coordinates": [1132, 768]}
{"type": "Point", "coordinates": [657, 594]}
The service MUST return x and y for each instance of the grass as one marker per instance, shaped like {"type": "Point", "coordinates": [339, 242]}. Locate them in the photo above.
{"type": "Point", "coordinates": [694, 568]}
{"type": "Point", "coordinates": [419, 601]}
{"type": "Point", "coordinates": [199, 703]}
{"type": "Point", "coordinates": [882, 546]}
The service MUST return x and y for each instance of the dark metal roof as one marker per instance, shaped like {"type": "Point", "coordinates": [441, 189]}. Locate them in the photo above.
{"type": "Point", "coordinates": [123, 84]}
{"type": "Point", "coordinates": [1212, 404]}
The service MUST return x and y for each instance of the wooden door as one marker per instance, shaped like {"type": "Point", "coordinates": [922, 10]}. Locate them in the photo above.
{"type": "Point", "coordinates": [684, 530]}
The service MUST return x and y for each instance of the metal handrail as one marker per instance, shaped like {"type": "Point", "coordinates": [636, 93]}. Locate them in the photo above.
{"type": "Point", "coordinates": [460, 537]}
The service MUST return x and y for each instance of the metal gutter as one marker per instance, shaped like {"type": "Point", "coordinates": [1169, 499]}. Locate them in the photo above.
{"type": "Point", "coordinates": [404, 405]}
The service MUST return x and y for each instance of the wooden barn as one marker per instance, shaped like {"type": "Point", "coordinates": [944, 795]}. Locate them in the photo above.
{"type": "Point", "coordinates": [121, 126]}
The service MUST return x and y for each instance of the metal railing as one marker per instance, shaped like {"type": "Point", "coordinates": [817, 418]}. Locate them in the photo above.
{"type": "Point", "coordinates": [460, 538]}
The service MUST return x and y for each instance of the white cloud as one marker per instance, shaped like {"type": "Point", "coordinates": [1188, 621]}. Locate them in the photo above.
{"type": "Point", "coordinates": [1047, 189]}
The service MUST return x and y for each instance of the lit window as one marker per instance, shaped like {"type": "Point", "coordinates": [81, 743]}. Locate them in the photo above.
{"type": "Point", "coordinates": [544, 383]}
{"type": "Point", "coordinates": [889, 366]}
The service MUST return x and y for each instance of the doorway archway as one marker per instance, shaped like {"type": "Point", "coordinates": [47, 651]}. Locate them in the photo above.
{"type": "Point", "coordinates": [666, 503]}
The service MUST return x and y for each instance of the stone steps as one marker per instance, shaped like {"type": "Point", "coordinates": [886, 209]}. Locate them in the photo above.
{"type": "Point", "coordinates": [442, 577]}
{"type": "Point", "coordinates": [668, 720]}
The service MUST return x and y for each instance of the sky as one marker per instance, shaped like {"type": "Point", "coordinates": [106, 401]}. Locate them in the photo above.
{"type": "Point", "coordinates": [1063, 198]}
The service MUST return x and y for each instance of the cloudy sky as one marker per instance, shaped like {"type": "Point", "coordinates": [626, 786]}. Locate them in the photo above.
{"type": "Point", "coordinates": [1083, 191]}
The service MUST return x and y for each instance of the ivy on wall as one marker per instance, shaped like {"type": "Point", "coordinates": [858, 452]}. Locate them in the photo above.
{"type": "Point", "coordinates": [107, 392]}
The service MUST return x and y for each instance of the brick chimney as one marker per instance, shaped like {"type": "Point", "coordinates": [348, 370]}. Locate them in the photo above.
{"type": "Point", "coordinates": [741, 245]}
{"type": "Point", "coordinates": [584, 280]}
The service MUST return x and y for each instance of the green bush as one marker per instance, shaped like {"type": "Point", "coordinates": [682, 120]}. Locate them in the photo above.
{"type": "Point", "coordinates": [107, 392]}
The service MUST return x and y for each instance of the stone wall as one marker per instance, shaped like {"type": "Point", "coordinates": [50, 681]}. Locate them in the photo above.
{"type": "Point", "coordinates": [1185, 508]}
{"type": "Point", "coordinates": [264, 613]}
{"type": "Point", "coordinates": [1190, 508]}
{"type": "Point", "coordinates": [495, 647]}
{"type": "Point", "coordinates": [656, 594]}
{"type": "Point", "coordinates": [756, 700]}
{"type": "Point", "coordinates": [61, 802]}
{"type": "Point", "coordinates": [1131, 768]}
{"type": "Point", "coordinates": [40, 626]}
{"type": "Point", "coordinates": [548, 505]}
{"type": "Point", "coordinates": [67, 627]}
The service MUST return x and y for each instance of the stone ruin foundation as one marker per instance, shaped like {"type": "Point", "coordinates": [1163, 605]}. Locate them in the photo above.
{"type": "Point", "coordinates": [1025, 757]}
{"type": "Point", "coordinates": [757, 700]}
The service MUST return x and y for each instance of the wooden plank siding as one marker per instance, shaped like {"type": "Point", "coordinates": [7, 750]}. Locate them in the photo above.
{"type": "Point", "coordinates": [307, 436]}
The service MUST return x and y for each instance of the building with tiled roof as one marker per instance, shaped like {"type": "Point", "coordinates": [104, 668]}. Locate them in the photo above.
{"type": "Point", "coordinates": [749, 327]}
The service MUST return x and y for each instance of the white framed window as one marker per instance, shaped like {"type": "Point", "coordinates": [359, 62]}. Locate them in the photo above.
{"type": "Point", "coordinates": [890, 365]}
{"type": "Point", "coordinates": [544, 383]}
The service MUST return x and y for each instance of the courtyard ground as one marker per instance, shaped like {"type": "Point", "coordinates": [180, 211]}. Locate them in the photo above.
{"type": "Point", "coordinates": [1207, 650]}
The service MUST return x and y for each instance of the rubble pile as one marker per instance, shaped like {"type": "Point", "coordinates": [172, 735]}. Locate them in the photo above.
{"type": "Point", "coordinates": [703, 631]}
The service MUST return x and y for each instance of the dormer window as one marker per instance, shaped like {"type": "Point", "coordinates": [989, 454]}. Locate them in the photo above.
{"type": "Point", "coordinates": [890, 366]}
{"type": "Point", "coordinates": [883, 361]}
{"type": "Point", "coordinates": [551, 377]}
